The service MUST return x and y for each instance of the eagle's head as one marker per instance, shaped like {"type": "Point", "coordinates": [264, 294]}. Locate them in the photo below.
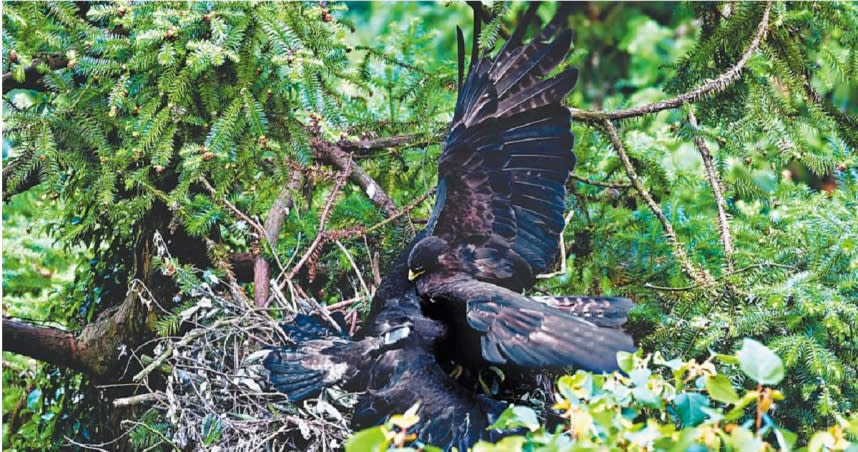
{"type": "Point", "coordinates": [425, 257]}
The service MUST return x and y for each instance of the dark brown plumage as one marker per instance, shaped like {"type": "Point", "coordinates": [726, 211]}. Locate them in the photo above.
{"type": "Point", "coordinates": [498, 215]}
{"type": "Point", "coordinates": [495, 226]}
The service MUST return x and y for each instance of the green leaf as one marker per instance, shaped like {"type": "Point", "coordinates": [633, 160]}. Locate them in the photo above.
{"type": "Point", "coordinates": [369, 440]}
{"type": "Point", "coordinates": [786, 439]}
{"type": "Point", "coordinates": [689, 408]}
{"type": "Point", "coordinates": [721, 389]}
{"type": "Point", "coordinates": [626, 361]}
{"type": "Point", "coordinates": [508, 444]}
{"type": "Point", "coordinates": [646, 397]}
{"type": "Point", "coordinates": [760, 363]}
{"type": "Point", "coordinates": [211, 429]}
{"type": "Point", "coordinates": [516, 416]}
{"type": "Point", "coordinates": [23, 98]}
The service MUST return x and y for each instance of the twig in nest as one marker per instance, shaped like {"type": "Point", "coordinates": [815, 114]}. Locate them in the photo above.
{"type": "Point", "coordinates": [323, 219]}
{"type": "Point", "coordinates": [138, 399]}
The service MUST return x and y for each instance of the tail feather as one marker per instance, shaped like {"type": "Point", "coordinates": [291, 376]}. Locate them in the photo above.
{"type": "Point", "coordinates": [288, 376]}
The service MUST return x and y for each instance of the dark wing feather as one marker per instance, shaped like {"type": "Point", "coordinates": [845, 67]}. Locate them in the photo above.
{"type": "Point", "coordinates": [601, 311]}
{"type": "Point", "coordinates": [516, 329]}
{"type": "Point", "coordinates": [506, 161]}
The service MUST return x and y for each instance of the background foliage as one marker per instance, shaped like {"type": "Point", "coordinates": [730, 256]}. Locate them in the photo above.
{"type": "Point", "coordinates": [145, 104]}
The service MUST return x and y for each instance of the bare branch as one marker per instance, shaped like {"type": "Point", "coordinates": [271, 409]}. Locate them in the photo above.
{"type": "Point", "coordinates": [334, 155]}
{"type": "Point", "coordinates": [365, 146]}
{"type": "Point", "coordinates": [700, 277]}
{"type": "Point", "coordinates": [93, 351]}
{"type": "Point", "coordinates": [323, 219]}
{"type": "Point", "coordinates": [617, 185]}
{"type": "Point", "coordinates": [138, 399]}
{"type": "Point", "coordinates": [717, 189]}
{"type": "Point", "coordinates": [43, 343]}
{"type": "Point", "coordinates": [272, 225]}
{"type": "Point", "coordinates": [713, 86]}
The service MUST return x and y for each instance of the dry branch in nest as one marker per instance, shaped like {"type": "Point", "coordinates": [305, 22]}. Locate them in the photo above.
{"type": "Point", "coordinates": [205, 388]}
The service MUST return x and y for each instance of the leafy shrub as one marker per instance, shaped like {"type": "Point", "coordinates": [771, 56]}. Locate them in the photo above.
{"type": "Point", "coordinates": [656, 404]}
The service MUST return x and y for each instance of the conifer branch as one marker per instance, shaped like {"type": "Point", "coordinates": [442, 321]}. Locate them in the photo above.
{"type": "Point", "coordinates": [32, 77]}
{"type": "Point", "coordinates": [713, 86]}
{"type": "Point", "coordinates": [718, 190]}
{"type": "Point", "coordinates": [10, 169]}
{"type": "Point", "coordinates": [699, 276]}
{"type": "Point", "coordinates": [486, 15]}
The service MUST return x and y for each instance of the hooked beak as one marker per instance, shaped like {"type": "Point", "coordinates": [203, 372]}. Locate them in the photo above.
{"type": "Point", "coordinates": [412, 275]}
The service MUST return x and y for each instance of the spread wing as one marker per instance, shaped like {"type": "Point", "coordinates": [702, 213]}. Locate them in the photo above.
{"type": "Point", "coordinates": [502, 173]}
{"type": "Point", "coordinates": [514, 328]}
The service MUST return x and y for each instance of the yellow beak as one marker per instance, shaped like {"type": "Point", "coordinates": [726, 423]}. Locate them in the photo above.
{"type": "Point", "coordinates": [412, 276]}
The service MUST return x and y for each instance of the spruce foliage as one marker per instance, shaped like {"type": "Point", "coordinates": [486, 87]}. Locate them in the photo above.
{"type": "Point", "coordinates": [209, 108]}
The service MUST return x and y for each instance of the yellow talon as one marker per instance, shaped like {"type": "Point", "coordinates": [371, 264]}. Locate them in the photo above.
{"type": "Point", "coordinates": [457, 371]}
{"type": "Point", "coordinates": [493, 389]}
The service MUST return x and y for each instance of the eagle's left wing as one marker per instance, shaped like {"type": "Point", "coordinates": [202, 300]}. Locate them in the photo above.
{"type": "Point", "coordinates": [502, 174]}
{"type": "Point", "coordinates": [516, 329]}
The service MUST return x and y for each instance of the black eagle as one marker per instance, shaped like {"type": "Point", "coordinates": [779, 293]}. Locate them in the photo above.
{"type": "Point", "coordinates": [495, 226]}
{"type": "Point", "coordinates": [499, 213]}
{"type": "Point", "coordinates": [392, 365]}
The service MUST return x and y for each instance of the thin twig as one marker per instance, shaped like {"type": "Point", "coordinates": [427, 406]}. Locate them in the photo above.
{"type": "Point", "coordinates": [725, 275]}
{"type": "Point", "coordinates": [562, 270]}
{"type": "Point", "coordinates": [138, 399]}
{"type": "Point", "coordinates": [402, 212]}
{"type": "Point", "coordinates": [701, 277]}
{"type": "Point", "coordinates": [617, 185]}
{"type": "Point", "coordinates": [254, 224]}
{"type": "Point", "coordinates": [363, 285]}
{"type": "Point", "coordinates": [713, 86]}
{"type": "Point", "coordinates": [343, 304]}
{"type": "Point", "coordinates": [717, 189]}
{"type": "Point", "coordinates": [323, 219]}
